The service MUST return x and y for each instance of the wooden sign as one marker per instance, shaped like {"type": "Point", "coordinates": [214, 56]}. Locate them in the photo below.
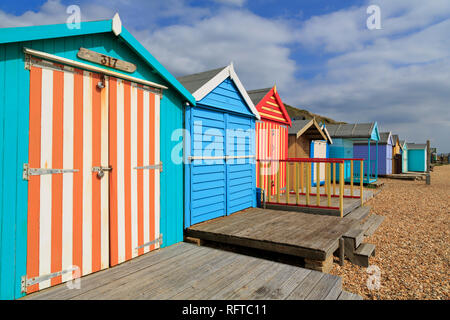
{"type": "Point", "coordinates": [105, 60]}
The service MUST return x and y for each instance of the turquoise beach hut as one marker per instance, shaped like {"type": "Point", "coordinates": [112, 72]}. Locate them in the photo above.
{"type": "Point", "coordinates": [87, 179]}
{"type": "Point", "coordinates": [345, 136]}
{"type": "Point", "coordinates": [417, 157]}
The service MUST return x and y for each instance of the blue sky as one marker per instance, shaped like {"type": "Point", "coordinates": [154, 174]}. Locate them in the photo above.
{"type": "Point", "coordinates": [320, 53]}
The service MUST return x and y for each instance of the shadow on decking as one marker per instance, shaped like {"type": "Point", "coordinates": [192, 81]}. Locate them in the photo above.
{"type": "Point", "coordinates": [322, 205]}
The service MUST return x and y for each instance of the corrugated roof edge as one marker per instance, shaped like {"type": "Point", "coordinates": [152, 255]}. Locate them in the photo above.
{"type": "Point", "coordinates": [21, 34]}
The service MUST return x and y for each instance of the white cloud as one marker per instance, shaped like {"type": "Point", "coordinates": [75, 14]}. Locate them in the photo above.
{"type": "Point", "coordinates": [53, 12]}
{"type": "Point", "coordinates": [256, 45]}
{"type": "Point", "coordinates": [398, 76]}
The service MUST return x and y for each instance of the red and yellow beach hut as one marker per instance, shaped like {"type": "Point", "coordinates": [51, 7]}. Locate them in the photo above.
{"type": "Point", "coordinates": [271, 134]}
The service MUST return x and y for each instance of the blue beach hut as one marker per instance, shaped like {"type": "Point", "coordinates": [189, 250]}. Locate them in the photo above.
{"type": "Point", "coordinates": [384, 157]}
{"type": "Point", "coordinates": [220, 177]}
{"type": "Point", "coordinates": [345, 136]}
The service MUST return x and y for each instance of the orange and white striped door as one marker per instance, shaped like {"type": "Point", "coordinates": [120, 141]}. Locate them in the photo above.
{"type": "Point", "coordinates": [81, 122]}
{"type": "Point", "coordinates": [135, 159]}
{"type": "Point", "coordinates": [67, 212]}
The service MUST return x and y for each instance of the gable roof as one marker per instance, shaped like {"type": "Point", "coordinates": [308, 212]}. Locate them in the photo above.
{"type": "Point", "coordinates": [195, 81]}
{"type": "Point", "coordinates": [269, 105]}
{"type": "Point", "coordinates": [385, 138]}
{"type": "Point", "coordinates": [395, 138]}
{"type": "Point", "coordinates": [403, 144]}
{"type": "Point", "coordinates": [325, 130]}
{"type": "Point", "coordinates": [416, 146]}
{"type": "Point", "coordinates": [21, 34]}
{"type": "Point", "coordinates": [352, 131]}
{"type": "Point", "coordinates": [201, 84]}
{"type": "Point", "coordinates": [308, 127]}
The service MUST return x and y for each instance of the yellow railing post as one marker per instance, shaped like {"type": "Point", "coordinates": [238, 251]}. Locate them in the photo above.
{"type": "Point", "coordinates": [261, 182]}
{"type": "Point", "coordinates": [341, 189]}
{"type": "Point", "coordinates": [287, 182]}
{"type": "Point", "coordinates": [351, 178]}
{"type": "Point", "coordinates": [297, 196]}
{"type": "Point", "coordinates": [334, 178]}
{"type": "Point", "coordinates": [328, 183]}
{"type": "Point", "coordinates": [318, 184]}
{"type": "Point", "coordinates": [302, 172]}
{"type": "Point", "coordinates": [278, 182]}
{"type": "Point", "coordinates": [361, 184]}
{"type": "Point", "coordinates": [308, 181]}
{"type": "Point", "coordinates": [269, 182]}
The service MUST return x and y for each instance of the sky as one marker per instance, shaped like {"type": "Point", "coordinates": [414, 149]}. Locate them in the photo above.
{"type": "Point", "coordinates": [319, 53]}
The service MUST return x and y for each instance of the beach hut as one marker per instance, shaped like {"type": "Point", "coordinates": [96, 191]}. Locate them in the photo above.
{"type": "Point", "coordinates": [307, 139]}
{"type": "Point", "coordinates": [397, 159]}
{"type": "Point", "coordinates": [220, 177]}
{"type": "Point", "coordinates": [385, 148]}
{"type": "Point", "coordinates": [271, 133]}
{"type": "Point", "coordinates": [404, 148]}
{"type": "Point", "coordinates": [417, 157]}
{"type": "Point", "coordinates": [87, 178]}
{"type": "Point", "coordinates": [345, 136]}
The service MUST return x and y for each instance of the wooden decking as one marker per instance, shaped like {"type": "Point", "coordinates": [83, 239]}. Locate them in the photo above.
{"type": "Point", "coordinates": [186, 271]}
{"type": "Point", "coordinates": [350, 204]}
{"type": "Point", "coordinates": [305, 235]}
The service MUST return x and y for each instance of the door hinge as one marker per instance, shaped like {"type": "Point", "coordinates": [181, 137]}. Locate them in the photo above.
{"type": "Point", "coordinates": [27, 171]}
{"type": "Point", "coordinates": [27, 62]}
{"type": "Point", "coordinates": [26, 282]}
{"type": "Point", "coordinates": [158, 240]}
{"type": "Point", "coordinates": [152, 167]}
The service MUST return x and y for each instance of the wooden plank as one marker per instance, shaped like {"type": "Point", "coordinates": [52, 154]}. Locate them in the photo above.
{"type": "Point", "coordinates": [241, 281]}
{"type": "Point", "coordinates": [365, 249]}
{"type": "Point", "coordinates": [306, 286]}
{"type": "Point", "coordinates": [218, 279]}
{"type": "Point", "coordinates": [105, 60]}
{"type": "Point", "coordinates": [104, 277]}
{"type": "Point", "coordinates": [328, 288]}
{"type": "Point", "coordinates": [253, 285]}
{"type": "Point", "coordinates": [372, 224]}
{"type": "Point", "coordinates": [276, 291]}
{"type": "Point", "coordinates": [140, 279]}
{"type": "Point", "coordinates": [189, 275]}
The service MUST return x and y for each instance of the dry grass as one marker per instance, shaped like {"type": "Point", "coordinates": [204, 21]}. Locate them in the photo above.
{"type": "Point", "coordinates": [412, 244]}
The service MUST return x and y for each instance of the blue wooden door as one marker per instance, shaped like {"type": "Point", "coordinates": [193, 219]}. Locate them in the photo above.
{"type": "Point", "coordinates": [220, 173]}
{"type": "Point", "coordinates": [241, 179]}
{"type": "Point", "coordinates": [207, 166]}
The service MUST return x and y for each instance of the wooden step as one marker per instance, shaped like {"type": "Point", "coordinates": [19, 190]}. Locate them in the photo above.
{"type": "Point", "coordinates": [362, 254]}
{"type": "Point", "coordinates": [356, 235]}
{"type": "Point", "coordinates": [365, 249]}
{"type": "Point", "coordinates": [359, 214]}
{"type": "Point", "coordinates": [372, 224]}
{"type": "Point", "coordinates": [349, 296]}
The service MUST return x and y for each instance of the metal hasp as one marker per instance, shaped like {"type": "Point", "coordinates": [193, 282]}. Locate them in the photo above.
{"type": "Point", "coordinates": [152, 167]}
{"type": "Point", "coordinates": [101, 171]}
{"type": "Point", "coordinates": [27, 171]}
{"type": "Point", "coordinates": [158, 240]}
{"type": "Point", "coordinates": [25, 282]}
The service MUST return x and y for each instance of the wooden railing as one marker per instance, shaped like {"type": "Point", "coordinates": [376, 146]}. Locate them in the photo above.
{"type": "Point", "coordinates": [302, 176]}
